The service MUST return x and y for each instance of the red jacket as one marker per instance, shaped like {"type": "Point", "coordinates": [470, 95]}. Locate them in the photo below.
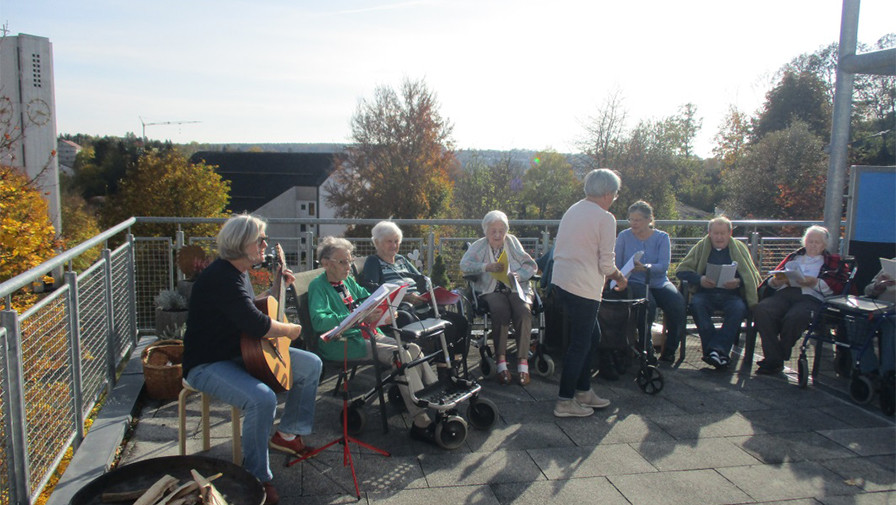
{"type": "Point", "coordinates": [834, 271]}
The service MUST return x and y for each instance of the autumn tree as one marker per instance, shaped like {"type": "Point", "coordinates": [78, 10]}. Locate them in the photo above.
{"type": "Point", "coordinates": [798, 96]}
{"type": "Point", "coordinates": [485, 185]}
{"type": "Point", "coordinates": [166, 184]}
{"type": "Point", "coordinates": [27, 237]}
{"type": "Point", "coordinates": [401, 163]}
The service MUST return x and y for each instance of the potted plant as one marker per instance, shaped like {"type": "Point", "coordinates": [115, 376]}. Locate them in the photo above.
{"type": "Point", "coordinates": [171, 313]}
{"type": "Point", "coordinates": [191, 260]}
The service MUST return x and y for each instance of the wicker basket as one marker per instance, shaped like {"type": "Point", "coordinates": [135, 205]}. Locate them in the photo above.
{"type": "Point", "coordinates": [162, 370]}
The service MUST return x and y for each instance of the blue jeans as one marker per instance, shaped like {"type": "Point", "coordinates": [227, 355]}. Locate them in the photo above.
{"type": "Point", "coordinates": [670, 300]}
{"type": "Point", "coordinates": [734, 310]}
{"type": "Point", "coordinates": [229, 382]}
{"type": "Point", "coordinates": [584, 335]}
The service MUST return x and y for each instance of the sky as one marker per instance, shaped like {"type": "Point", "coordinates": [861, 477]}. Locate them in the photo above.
{"type": "Point", "coordinates": [508, 74]}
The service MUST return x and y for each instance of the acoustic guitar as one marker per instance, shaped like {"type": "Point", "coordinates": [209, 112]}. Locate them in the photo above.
{"type": "Point", "coordinates": [267, 359]}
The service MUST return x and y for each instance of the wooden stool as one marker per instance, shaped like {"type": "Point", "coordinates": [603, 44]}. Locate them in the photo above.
{"type": "Point", "coordinates": [206, 439]}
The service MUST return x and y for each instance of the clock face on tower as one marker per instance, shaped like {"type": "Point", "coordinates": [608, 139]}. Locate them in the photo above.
{"type": "Point", "coordinates": [38, 112]}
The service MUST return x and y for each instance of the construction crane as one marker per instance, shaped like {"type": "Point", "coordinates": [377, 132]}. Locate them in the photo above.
{"type": "Point", "coordinates": [144, 124]}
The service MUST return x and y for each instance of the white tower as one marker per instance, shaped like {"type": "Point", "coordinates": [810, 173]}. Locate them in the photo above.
{"type": "Point", "coordinates": [28, 114]}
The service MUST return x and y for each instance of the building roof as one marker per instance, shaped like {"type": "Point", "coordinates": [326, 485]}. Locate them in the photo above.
{"type": "Point", "coordinates": [257, 178]}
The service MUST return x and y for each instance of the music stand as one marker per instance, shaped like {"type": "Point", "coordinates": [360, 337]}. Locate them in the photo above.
{"type": "Point", "coordinates": [387, 293]}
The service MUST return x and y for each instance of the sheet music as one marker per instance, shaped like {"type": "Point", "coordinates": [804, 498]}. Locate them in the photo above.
{"type": "Point", "coordinates": [889, 267]}
{"type": "Point", "coordinates": [629, 266]}
{"type": "Point", "coordinates": [381, 299]}
{"type": "Point", "coordinates": [794, 275]}
{"type": "Point", "coordinates": [721, 274]}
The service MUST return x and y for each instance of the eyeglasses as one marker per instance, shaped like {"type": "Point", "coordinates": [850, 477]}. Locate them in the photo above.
{"type": "Point", "coordinates": [262, 239]}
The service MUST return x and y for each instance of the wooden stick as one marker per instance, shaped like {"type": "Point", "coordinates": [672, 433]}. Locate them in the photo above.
{"type": "Point", "coordinates": [157, 490]}
{"type": "Point", "coordinates": [210, 495]}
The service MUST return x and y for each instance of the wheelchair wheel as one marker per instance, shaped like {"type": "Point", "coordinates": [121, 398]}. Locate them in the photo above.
{"type": "Point", "coordinates": [861, 389]}
{"type": "Point", "coordinates": [487, 366]}
{"type": "Point", "coordinates": [395, 398]}
{"type": "Point", "coordinates": [451, 432]}
{"type": "Point", "coordinates": [357, 418]}
{"type": "Point", "coordinates": [544, 365]}
{"type": "Point", "coordinates": [888, 394]}
{"type": "Point", "coordinates": [482, 413]}
{"type": "Point", "coordinates": [802, 371]}
{"type": "Point", "coordinates": [650, 380]}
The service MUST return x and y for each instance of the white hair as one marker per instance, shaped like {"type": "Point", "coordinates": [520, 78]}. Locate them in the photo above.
{"type": "Point", "coordinates": [491, 217]}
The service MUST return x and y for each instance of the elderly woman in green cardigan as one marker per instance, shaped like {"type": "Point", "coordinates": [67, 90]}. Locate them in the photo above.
{"type": "Point", "coordinates": [332, 296]}
{"type": "Point", "coordinates": [734, 298]}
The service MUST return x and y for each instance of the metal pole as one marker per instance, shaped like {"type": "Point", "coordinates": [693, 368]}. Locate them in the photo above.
{"type": "Point", "coordinates": [74, 335]}
{"type": "Point", "coordinates": [110, 329]}
{"type": "Point", "coordinates": [430, 253]}
{"type": "Point", "coordinates": [14, 399]}
{"type": "Point", "coordinates": [833, 201]}
{"type": "Point", "coordinates": [132, 288]}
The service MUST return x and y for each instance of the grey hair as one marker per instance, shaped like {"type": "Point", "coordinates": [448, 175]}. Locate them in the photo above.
{"type": "Point", "coordinates": [238, 232]}
{"type": "Point", "coordinates": [601, 181]}
{"type": "Point", "coordinates": [491, 217]}
{"type": "Point", "coordinates": [819, 229]}
{"type": "Point", "coordinates": [642, 208]}
{"type": "Point", "coordinates": [720, 219]}
{"type": "Point", "coordinates": [385, 229]}
{"type": "Point", "coordinates": [329, 245]}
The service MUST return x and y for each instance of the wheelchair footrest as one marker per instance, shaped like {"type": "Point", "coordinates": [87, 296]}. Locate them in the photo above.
{"type": "Point", "coordinates": [442, 396]}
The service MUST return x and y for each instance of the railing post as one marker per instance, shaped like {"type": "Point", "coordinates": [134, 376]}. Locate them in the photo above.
{"type": "Point", "coordinates": [14, 400]}
{"type": "Point", "coordinates": [430, 253]}
{"type": "Point", "coordinates": [74, 335]}
{"type": "Point", "coordinates": [178, 245]}
{"type": "Point", "coordinates": [309, 250]}
{"type": "Point", "coordinates": [545, 242]}
{"type": "Point", "coordinates": [107, 299]}
{"type": "Point", "coordinates": [754, 247]}
{"type": "Point", "coordinates": [132, 287]}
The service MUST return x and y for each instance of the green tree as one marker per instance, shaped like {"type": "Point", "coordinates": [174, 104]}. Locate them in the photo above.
{"type": "Point", "coordinates": [798, 96]}
{"type": "Point", "coordinates": [782, 177]}
{"type": "Point", "coordinates": [166, 184]}
{"type": "Point", "coordinates": [401, 164]}
{"type": "Point", "coordinates": [550, 186]}
{"type": "Point", "coordinates": [484, 186]}
{"type": "Point", "coordinates": [79, 223]}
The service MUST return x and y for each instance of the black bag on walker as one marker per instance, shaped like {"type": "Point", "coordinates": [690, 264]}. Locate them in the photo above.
{"type": "Point", "coordinates": [618, 320]}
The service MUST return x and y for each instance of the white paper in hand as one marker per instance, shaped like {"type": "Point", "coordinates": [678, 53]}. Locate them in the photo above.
{"type": "Point", "coordinates": [628, 267]}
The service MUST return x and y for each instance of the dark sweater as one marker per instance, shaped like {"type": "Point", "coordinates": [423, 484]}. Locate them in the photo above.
{"type": "Point", "coordinates": [222, 308]}
{"type": "Point", "coordinates": [716, 257]}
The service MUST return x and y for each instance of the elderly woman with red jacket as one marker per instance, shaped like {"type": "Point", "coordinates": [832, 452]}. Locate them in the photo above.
{"type": "Point", "coordinates": [782, 317]}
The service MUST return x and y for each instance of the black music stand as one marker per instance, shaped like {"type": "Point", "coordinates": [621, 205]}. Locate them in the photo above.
{"type": "Point", "coordinates": [355, 320]}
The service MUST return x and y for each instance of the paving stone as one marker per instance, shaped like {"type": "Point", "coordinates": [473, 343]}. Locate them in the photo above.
{"type": "Point", "coordinates": [789, 420]}
{"type": "Point", "coordinates": [479, 468]}
{"type": "Point", "coordinates": [787, 481]}
{"type": "Point", "coordinates": [579, 462]}
{"type": "Point", "coordinates": [480, 495]}
{"type": "Point", "coordinates": [612, 428]}
{"type": "Point", "coordinates": [884, 498]}
{"type": "Point", "coordinates": [518, 437]}
{"type": "Point", "coordinates": [876, 473]}
{"type": "Point", "coordinates": [692, 487]}
{"type": "Point", "coordinates": [711, 425]}
{"type": "Point", "coordinates": [694, 454]}
{"type": "Point", "coordinates": [865, 441]}
{"type": "Point", "coordinates": [590, 490]}
{"type": "Point", "coordinates": [791, 447]}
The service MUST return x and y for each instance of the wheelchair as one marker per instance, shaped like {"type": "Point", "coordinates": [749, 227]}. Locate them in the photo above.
{"type": "Point", "coordinates": [540, 361]}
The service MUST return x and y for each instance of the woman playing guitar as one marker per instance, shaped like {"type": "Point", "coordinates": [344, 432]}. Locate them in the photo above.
{"type": "Point", "coordinates": [222, 309]}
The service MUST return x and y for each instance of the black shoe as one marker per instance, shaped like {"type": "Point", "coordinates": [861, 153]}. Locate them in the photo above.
{"type": "Point", "coordinates": [427, 434]}
{"type": "Point", "coordinates": [668, 357]}
{"type": "Point", "coordinates": [714, 360]}
{"type": "Point", "coordinates": [770, 368]}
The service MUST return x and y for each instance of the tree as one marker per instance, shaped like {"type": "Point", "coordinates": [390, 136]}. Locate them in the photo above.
{"type": "Point", "coordinates": [483, 187]}
{"type": "Point", "coordinates": [104, 162]}
{"type": "Point", "coordinates": [166, 184]}
{"type": "Point", "coordinates": [27, 237]}
{"type": "Point", "coordinates": [782, 176]}
{"type": "Point", "coordinates": [550, 186]}
{"type": "Point", "coordinates": [604, 134]}
{"type": "Point", "coordinates": [401, 164]}
{"type": "Point", "coordinates": [79, 223]}
{"type": "Point", "coordinates": [798, 96]}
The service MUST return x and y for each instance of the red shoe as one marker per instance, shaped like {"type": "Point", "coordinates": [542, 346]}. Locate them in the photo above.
{"type": "Point", "coordinates": [295, 446]}
{"type": "Point", "coordinates": [270, 494]}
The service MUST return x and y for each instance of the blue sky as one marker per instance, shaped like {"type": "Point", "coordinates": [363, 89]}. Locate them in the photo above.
{"type": "Point", "coordinates": [507, 73]}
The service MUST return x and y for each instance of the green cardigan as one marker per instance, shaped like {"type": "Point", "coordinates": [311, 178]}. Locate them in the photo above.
{"type": "Point", "coordinates": [695, 261]}
{"type": "Point", "coordinates": [327, 311]}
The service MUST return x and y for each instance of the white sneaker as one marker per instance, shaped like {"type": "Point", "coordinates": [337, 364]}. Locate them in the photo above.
{"type": "Point", "coordinates": [571, 408]}
{"type": "Point", "coordinates": [590, 399]}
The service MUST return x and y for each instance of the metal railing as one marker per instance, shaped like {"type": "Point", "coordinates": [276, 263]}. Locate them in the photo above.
{"type": "Point", "coordinates": [60, 356]}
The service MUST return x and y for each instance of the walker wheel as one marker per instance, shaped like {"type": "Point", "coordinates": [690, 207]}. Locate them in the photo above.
{"type": "Point", "coordinates": [357, 418]}
{"type": "Point", "coordinates": [395, 398]}
{"type": "Point", "coordinates": [802, 371]}
{"type": "Point", "coordinates": [487, 366]}
{"type": "Point", "coordinates": [650, 380]}
{"type": "Point", "coordinates": [861, 389]}
{"type": "Point", "coordinates": [451, 432]}
{"type": "Point", "coordinates": [482, 413]}
{"type": "Point", "coordinates": [544, 365]}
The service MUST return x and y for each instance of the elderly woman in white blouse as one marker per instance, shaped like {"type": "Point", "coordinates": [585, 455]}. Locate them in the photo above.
{"type": "Point", "coordinates": [510, 301]}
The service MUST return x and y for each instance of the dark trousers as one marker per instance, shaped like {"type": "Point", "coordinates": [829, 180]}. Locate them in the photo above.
{"type": "Point", "coordinates": [584, 335]}
{"type": "Point", "coordinates": [781, 319]}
